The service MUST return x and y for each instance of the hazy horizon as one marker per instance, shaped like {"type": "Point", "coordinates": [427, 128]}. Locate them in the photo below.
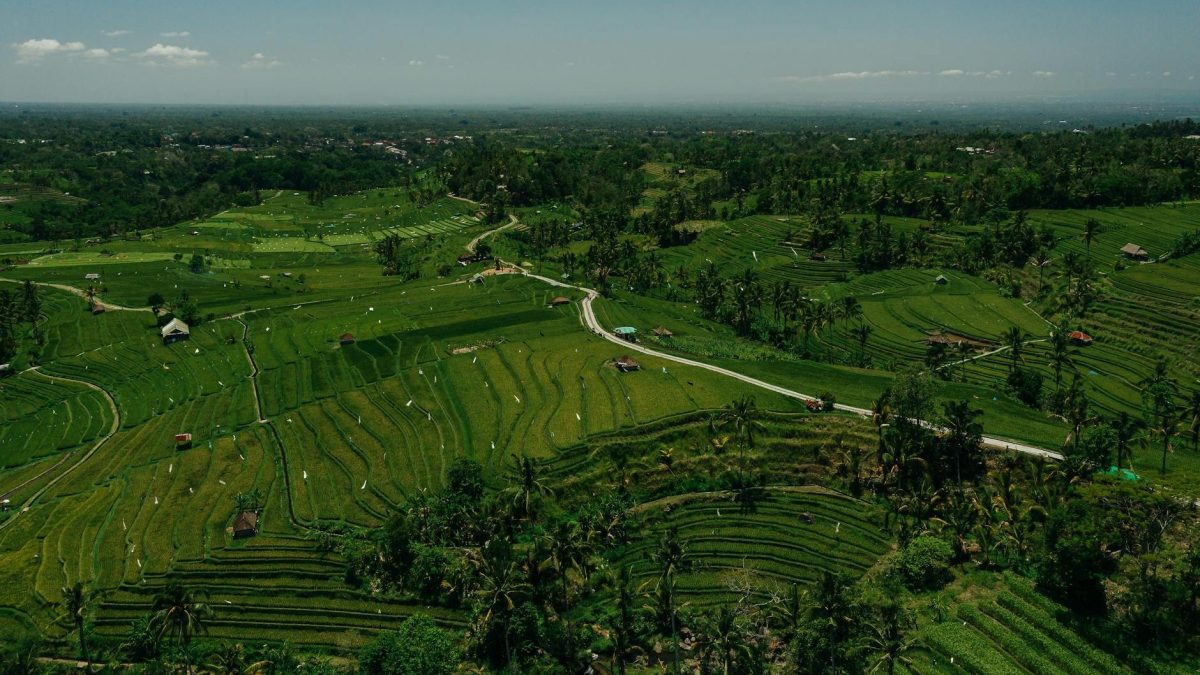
{"type": "Point", "coordinates": [766, 52]}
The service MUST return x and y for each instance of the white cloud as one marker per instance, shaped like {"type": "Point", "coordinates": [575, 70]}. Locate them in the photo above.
{"type": "Point", "coordinates": [260, 60]}
{"type": "Point", "coordinates": [97, 54]}
{"type": "Point", "coordinates": [116, 33]}
{"type": "Point", "coordinates": [986, 74]}
{"type": "Point", "coordinates": [1167, 73]}
{"type": "Point", "coordinates": [442, 57]}
{"type": "Point", "coordinates": [33, 51]}
{"type": "Point", "coordinates": [171, 55]}
{"type": "Point", "coordinates": [1110, 74]}
{"type": "Point", "coordinates": [953, 72]}
{"type": "Point", "coordinates": [852, 75]}
{"type": "Point", "coordinates": [177, 33]}
{"type": "Point", "coordinates": [1043, 73]}
{"type": "Point", "coordinates": [416, 62]}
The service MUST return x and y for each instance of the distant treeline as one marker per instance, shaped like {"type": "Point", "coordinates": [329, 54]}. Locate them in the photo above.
{"type": "Point", "coordinates": [134, 171]}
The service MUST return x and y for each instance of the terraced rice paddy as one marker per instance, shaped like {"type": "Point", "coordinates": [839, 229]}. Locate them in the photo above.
{"type": "Point", "coordinates": [348, 432]}
{"type": "Point", "coordinates": [1010, 629]}
{"type": "Point", "coordinates": [770, 546]}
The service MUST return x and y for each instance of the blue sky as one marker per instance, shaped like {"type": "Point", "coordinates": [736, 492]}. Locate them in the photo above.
{"type": "Point", "coordinates": [606, 51]}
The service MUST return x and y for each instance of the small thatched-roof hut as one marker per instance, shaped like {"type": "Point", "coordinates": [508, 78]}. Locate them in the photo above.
{"type": "Point", "coordinates": [662, 331]}
{"type": "Point", "coordinates": [1134, 252]}
{"type": "Point", "coordinates": [560, 300]}
{"type": "Point", "coordinates": [175, 331]}
{"type": "Point", "coordinates": [346, 339]}
{"type": "Point", "coordinates": [627, 364]}
{"type": "Point", "coordinates": [1079, 337]}
{"type": "Point", "coordinates": [245, 525]}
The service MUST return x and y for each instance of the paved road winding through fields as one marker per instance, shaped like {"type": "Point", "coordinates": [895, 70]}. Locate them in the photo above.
{"type": "Point", "coordinates": [588, 315]}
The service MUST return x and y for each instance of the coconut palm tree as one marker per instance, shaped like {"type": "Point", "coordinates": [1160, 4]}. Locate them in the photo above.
{"type": "Point", "coordinates": [886, 638]}
{"type": "Point", "coordinates": [850, 308]}
{"type": "Point", "coordinates": [1193, 414]}
{"type": "Point", "coordinates": [1014, 339]}
{"type": "Point", "coordinates": [1125, 427]}
{"type": "Point", "coordinates": [964, 434]}
{"type": "Point", "coordinates": [1091, 228]}
{"type": "Point", "coordinates": [1165, 428]}
{"type": "Point", "coordinates": [743, 416]}
{"type": "Point", "coordinates": [1042, 260]}
{"type": "Point", "coordinates": [501, 588]}
{"type": "Point", "coordinates": [1060, 353]}
{"type": "Point", "coordinates": [231, 659]}
{"type": "Point", "coordinates": [861, 333]}
{"type": "Point", "coordinates": [526, 486]}
{"type": "Point", "coordinates": [177, 611]}
{"type": "Point", "coordinates": [623, 632]}
{"type": "Point", "coordinates": [76, 601]}
{"type": "Point", "coordinates": [723, 637]}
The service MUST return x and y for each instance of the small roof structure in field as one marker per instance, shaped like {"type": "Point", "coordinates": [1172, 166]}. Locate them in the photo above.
{"type": "Point", "coordinates": [183, 438]}
{"type": "Point", "coordinates": [346, 338]}
{"type": "Point", "coordinates": [245, 525]}
{"type": "Point", "coordinates": [625, 330]}
{"type": "Point", "coordinates": [1079, 337]}
{"type": "Point", "coordinates": [1134, 251]}
{"type": "Point", "coordinates": [98, 308]}
{"type": "Point", "coordinates": [92, 276]}
{"type": "Point", "coordinates": [560, 300]}
{"type": "Point", "coordinates": [175, 327]}
{"type": "Point", "coordinates": [627, 363]}
{"type": "Point", "coordinates": [662, 331]}
{"type": "Point", "coordinates": [941, 280]}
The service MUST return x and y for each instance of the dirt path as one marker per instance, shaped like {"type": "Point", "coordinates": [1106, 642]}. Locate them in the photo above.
{"type": "Point", "coordinates": [116, 425]}
{"type": "Point", "coordinates": [83, 294]}
{"type": "Point", "coordinates": [588, 315]}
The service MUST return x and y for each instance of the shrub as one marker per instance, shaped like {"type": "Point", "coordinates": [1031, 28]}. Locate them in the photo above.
{"type": "Point", "coordinates": [925, 563]}
{"type": "Point", "coordinates": [828, 400]}
{"type": "Point", "coordinates": [418, 648]}
{"type": "Point", "coordinates": [1027, 384]}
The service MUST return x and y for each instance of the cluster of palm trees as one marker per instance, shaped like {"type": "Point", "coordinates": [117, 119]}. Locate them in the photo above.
{"type": "Point", "coordinates": [176, 612]}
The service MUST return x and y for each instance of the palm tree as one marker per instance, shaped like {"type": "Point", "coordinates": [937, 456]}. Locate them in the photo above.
{"type": "Point", "coordinates": [500, 588]}
{"type": "Point", "coordinates": [881, 413]}
{"type": "Point", "coordinates": [743, 415]}
{"type": "Point", "coordinates": [76, 601]}
{"type": "Point", "coordinates": [1125, 427]}
{"type": "Point", "coordinates": [724, 636]}
{"type": "Point", "coordinates": [1193, 413]}
{"type": "Point", "coordinates": [886, 638]}
{"type": "Point", "coordinates": [567, 550]}
{"type": "Point", "coordinates": [1014, 339]}
{"type": "Point", "coordinates": [861, 333]}
{"type": "Point", "coordinates": [964, 433]}
{"type": "Point", "coordinates": [1042, 259]}
{"type": "Point", "coordinates": [962, 352]}
{"type": "Point", "coordinates": [1090, 229]}
{"type": "Point", "coordinates": [1060, 353]}
{"type": "Point", "coordinates": [525, 484]}
{"type": "Point", "coordinates": [178, 612]}
{"type": "Point", "coordinates": [231, 659]}
{"type": "Point", "coordinates": [623, 632]}
{"type": "Point", "coordinates": [850, 309]}
{"type": "Point", "coordinates": [1165, 428]}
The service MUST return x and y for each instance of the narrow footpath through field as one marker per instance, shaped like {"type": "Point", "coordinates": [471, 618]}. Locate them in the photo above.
{"type": "Point", "coordinates": [83, 294]}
